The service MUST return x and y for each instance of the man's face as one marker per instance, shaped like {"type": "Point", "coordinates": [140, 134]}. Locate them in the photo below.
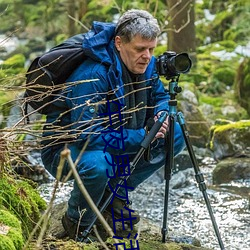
{"type": "Point", "coordinates": [137, 53]}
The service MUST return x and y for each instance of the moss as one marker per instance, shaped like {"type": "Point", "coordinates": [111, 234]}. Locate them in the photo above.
{"type": "Point", "coordinates": [16, 237]}
{"type": "Point", "coordinates": [239, 128]}
{"type": "Point", "coordinates": [21, 199]}
{"type": "Point", "coordinates": [6, 243]}
{"type": "Point", "coordinates": [9, 219]}
{"type": "Point", "coordinates": [16, 61]}
{"type": "Point", "coordinates": [13, 71]}
{"type": "Point", "coordinates": [225, 75]}
{"type": "Point", "coordinates": [214, 101]}
{"type": "Point", "coordinates": [235, 125]}
{"type": "Point", "coordinates": [13, 239]}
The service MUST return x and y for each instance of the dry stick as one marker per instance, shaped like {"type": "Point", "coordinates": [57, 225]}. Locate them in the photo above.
{"type": "Point", "coordinates": [99, 238]}
{"type": "Point", "coordinates": [45, 217]}
{"type": "Point", "coordinates": [66, 154]}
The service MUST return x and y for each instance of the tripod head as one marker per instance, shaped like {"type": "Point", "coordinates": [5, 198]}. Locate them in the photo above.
{"type": "Point", "coordinates": [174, 89]}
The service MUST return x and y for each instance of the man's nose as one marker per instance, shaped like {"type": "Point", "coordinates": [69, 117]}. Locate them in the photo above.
{"type": "Point", "coordinates": [146, 54]}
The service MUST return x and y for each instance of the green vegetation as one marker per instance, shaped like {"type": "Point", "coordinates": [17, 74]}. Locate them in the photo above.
{"type": "Point", "coordinates": [221, 131]}
{"type": "Point", "coordinates": [11, 237]}
{"type": "Point", "coordinates": [45, 23]}
{"type": "Point", "coordinates": [22, 201]}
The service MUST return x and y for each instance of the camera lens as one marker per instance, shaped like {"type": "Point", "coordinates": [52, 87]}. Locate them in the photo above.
{"type": "Point", "coordinates": [182, 63]}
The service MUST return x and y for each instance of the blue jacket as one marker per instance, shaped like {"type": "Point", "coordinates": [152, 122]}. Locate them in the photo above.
{"type": "Point", "coordinates": [86, 101]}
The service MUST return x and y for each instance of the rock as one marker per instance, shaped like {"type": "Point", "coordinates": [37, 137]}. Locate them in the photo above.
{"type": "Point", "coordinates": [232, 139]}
{"type": "Point", "coordinates": [197, 125]}
{"type": "Point", "coordinates": [181, 179]}
{"type": "Point", "coordinates": [231, 169]}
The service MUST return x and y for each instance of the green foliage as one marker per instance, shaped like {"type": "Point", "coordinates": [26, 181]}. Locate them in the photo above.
{"type": "Point", "coordinates": [22, 200]}
{"type": "Point", "coordinates": [242, 84]}
{"type": "Point", "coordinates": [6, 243]}
{"type": "Point", "coordinates": [224, 75]}
{"type": "Point", "coordinates": [17, 61]}
{"type": "Point", "coordinates": [229, 23]}
{"type": "Point", "coordinates": [13, 238]}
{"type": "Point", "coordinates": [219, 102]}
{"type": "Point", "coordinates": [214, 101]}
{"type": "Point", "coordinates": [12, 67]}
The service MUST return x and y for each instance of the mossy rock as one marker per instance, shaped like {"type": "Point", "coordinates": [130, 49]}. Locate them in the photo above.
{"type": "Point", "coordinates": [232, 139]}
{"type": "Point", "coordinates": [11, 237]}
{"type": "Point", "coordinates": [219, 107]}
{"type": "Point", "coordinates": [21, 199]}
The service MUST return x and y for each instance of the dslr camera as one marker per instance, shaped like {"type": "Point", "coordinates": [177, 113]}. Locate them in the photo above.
{"type": "Point", "coordinates": [171, 65]}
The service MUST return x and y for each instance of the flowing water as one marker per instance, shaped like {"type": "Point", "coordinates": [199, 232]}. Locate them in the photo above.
{"type": "Point", "coordinates": [187, 212]}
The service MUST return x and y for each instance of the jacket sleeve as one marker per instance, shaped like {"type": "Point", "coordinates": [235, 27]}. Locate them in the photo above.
{"type": "Point", "coordinates": [87, 100]}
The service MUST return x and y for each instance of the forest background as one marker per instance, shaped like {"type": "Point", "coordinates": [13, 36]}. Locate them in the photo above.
{"type": "Point", "coordinates": [214, 33]}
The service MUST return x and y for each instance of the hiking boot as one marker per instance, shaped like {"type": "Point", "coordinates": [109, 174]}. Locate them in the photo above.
{"type": "Point", "coordinates": [119, 205]}
{"type": "Point", "coordinates": [74, 231]}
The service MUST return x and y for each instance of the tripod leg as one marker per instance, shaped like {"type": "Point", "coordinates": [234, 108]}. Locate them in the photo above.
{"type": "Point", "coordinates": [199, 176]}
{"type": "Point", "coordinates": [168, 172]}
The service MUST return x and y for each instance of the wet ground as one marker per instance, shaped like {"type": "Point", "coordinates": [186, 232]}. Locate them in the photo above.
{"type": "Point", "coordinates": [187, 211]}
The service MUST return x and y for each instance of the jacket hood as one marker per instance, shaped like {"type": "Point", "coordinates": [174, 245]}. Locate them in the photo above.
{"type": "Point", "coordinates": [98, 43]}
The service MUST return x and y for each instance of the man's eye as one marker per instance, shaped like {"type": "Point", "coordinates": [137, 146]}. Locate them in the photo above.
{"type": "Point", "coordinates": [139, 50]}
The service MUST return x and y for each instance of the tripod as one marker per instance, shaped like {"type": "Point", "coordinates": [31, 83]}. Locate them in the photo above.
{"type": "Point", "coordinates": [173, 90]}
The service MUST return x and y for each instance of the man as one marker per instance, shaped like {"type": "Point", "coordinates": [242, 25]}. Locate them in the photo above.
{"type": "Point", "coordinates": [124, 91]}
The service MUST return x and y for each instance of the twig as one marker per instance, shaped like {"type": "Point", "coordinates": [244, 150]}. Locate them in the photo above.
{"type": "Point", "coordinates": [66, 154]}
{"type": "Point", "coordinates": [77, 21]}
{"type": "Point", "coordinates": [99, 238]}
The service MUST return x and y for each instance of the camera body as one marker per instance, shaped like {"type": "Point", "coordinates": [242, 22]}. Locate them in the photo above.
{"type": "Point", "coordinates": [171, 65]}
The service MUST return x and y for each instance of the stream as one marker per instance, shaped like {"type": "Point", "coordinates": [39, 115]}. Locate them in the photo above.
{"type": "Point", "coordinates": [187, 212]}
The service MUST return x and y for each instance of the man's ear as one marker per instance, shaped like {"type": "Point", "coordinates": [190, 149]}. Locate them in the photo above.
{"type": "Point", "coordinates": [118, 43]}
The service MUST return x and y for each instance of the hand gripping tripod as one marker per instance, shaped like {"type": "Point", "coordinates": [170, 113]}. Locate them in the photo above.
{"type": "Point", "coordinates": [173, 90]}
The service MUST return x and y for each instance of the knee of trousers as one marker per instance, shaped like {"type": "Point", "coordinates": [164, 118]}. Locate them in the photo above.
{"type": "Point", "coordinates": [95, 166]}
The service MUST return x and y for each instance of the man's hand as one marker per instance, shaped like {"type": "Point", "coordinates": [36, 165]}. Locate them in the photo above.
{"type": "Point", "coordinates": [164, 128]}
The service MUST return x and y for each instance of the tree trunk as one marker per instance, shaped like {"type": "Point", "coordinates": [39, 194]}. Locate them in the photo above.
{"type": "Point", "coordinates": [83, 7]}
{"type": "Point", "coordinates": [181, 27]}
{"type": "Point", "coordinates": [71, 6]}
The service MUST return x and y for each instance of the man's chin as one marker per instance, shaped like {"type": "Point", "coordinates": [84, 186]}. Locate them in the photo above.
{"type": "Point", "coordinates": [139, 71]}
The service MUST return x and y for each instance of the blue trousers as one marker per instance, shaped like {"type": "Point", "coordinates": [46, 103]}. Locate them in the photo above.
{"type": "Point", "coordinates": [97, 173]}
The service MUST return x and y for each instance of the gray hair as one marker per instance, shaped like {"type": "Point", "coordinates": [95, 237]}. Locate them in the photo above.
{"type": "Point", "coordinates": [137, 22]}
